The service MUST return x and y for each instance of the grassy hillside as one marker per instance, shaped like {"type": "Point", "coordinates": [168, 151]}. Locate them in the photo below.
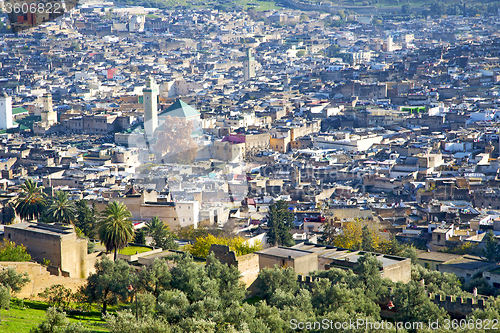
{"type": "Point", "coordinates": [221, 5]}
{"type": "Point", "coordinates": [24, 316]}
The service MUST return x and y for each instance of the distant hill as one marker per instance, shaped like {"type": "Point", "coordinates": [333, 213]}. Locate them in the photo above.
{"type": "Point", "coordinates": [225, 5]}
{"type": "Point", "coordinates": [430, 7]}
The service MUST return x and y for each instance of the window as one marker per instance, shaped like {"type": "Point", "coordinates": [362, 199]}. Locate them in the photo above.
{"type": "Point", "coordinates": [9, 236]}
{"type": "Point", "coordinates": [183, 220]}
{"type": "Point", "coordinates": [426, 265]}
{"type": "Point", "coordinates": [439, 238]}
{"type": "Point", "coordinates": [189, 207]}
{"type": "Point", "coordinates": [488, 278]}
{"type": "Point", "coordinates": [189, 219]}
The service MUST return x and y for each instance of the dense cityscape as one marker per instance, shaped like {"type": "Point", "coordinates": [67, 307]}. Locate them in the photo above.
{"type": "Point", "coordinates": [286, 166]}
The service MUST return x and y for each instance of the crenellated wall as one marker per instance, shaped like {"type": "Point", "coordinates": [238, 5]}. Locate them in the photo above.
{"type": "Point", "coordinates": [457, 306]}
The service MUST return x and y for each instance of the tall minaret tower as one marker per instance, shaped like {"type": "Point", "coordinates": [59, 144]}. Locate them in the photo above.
{"type": "Point", "coordinates": [390, 44]}
{"type": "Point", "coordinates": [286, 82]}
{"type": "Point", "coordinates": [150, 95]}
{"type": "Point", "coordinates": [6, 121]}
{"type": "Point", "coordinates": [249, 66]}
{"type": "Point", "coordinates": [48, 114]}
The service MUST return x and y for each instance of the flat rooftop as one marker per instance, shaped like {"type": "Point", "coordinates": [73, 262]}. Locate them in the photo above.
{"type": "Point", "coordinates": [438, 256]}
{"type": "Point", "coordinates": [284, 252]}
{"type": "Point", "coordinates": [466, 263]}
{"type": "Point", "coordinates": [159, 255]}
{"type": "Point", "coordinates": [340, 254]}
{"type": "Point", "coordinates": [49, 229]}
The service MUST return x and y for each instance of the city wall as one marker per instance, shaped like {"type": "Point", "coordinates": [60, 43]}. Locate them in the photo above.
{"type": "Point", "coordinates": [40, 278]}
{"type": "Point", "coordinates": [248, 264]}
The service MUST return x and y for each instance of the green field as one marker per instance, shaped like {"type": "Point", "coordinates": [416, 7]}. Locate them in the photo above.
{"type": "Point", "coordinates": [131, 250]}
{"type": "Point", "coordinates": [256, 4]}
{"type": "Point", "coordinates": [21, 319]}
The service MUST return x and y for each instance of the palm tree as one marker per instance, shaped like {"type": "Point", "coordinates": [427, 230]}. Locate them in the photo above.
{"type": "Point", "coordinates": [61, 208]}
{"type": "Point", "coordinates": [162, 236]}
{"type": "Point", "coordinates": [116, 229]}
{"type": "Point", "coordinates": [154, 225]}
{"type": "Point", "coordinates": [31, 202]}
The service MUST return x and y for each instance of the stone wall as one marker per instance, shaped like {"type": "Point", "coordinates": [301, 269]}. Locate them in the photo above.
{"type": "Point", "coordinates": [398, 272]}
{"type": "Point", "coordinates": [224, 254]}
{"type": "Point", "coordinates": [248, 264]}
{"type": "Point", "coordinates": [40, 278]}
{"type": "Point", "coordinates": [350, 213]}
{"type": "Point", "coordinates": [257, 140]}
{"type": "Point", "coordinates": [458, 307]}
{"type": "Point", "coordinates": [301, 265]}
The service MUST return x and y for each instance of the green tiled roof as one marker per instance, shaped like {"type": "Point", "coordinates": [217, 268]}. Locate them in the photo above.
{"type": "Point", "coordinates": [18, 110]}
{"type": "Point", "coordinates": [20, 126]}
{"type": "Point", "coordinates": [180, 109]}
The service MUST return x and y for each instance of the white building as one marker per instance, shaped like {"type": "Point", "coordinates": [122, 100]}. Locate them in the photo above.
{"type": "Point", "coordinates": [6, 121]}
{"type": "Point", "coordinates": [350, 143]}
{"type": "Point", "coordinates": [361, 57]}
{"type": "Point", "coordinates": [137, 23]}
{"type": "Point", "coordinates": [188, 213]}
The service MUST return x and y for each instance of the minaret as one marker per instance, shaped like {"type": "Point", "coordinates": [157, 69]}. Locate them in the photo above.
{"type": "Point", "coordinates": [390, 44]}
{"type": "Point", "coordinates": [150, 96]}
{"type": "Point", "coordinates": [286, 82]}
{"type": "Point", "coordinates": [47, 102]}
{"type": "Point", "coordinates": [48, 114]}
{"type": "Point", "coordinates": [249, 66]}
{"type": "Point", "coordinates": [296, 175]}
{"type": "Point", "coordinates": [6, 121]}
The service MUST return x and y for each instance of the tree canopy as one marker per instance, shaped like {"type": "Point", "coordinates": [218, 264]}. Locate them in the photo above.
{"type": "Point", "coordinates": [31, 201]}
{"type": "Point", "coordinates": [86, 218]}
{"type": "Point", "coordinates": [162, 236]}
{"type": "Point", "coordinates": [9, 251]}
{"type": "Point", "coordinates": [13, 280]}
{"type": "Point", "coordinates": [491, 250]}
{"type": "Point", "coordinates": [61, 209]}
{"type": "Point", "coordinates": [280, 222]}
{"type": "Point", "coordinates": [178, 294]}
{"type": "Point", "coordinates": [239, 245]}
{"type": "Point", "coordinates": [109, 283]}
{"type": "Point", "coordinates": [116, 229]}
